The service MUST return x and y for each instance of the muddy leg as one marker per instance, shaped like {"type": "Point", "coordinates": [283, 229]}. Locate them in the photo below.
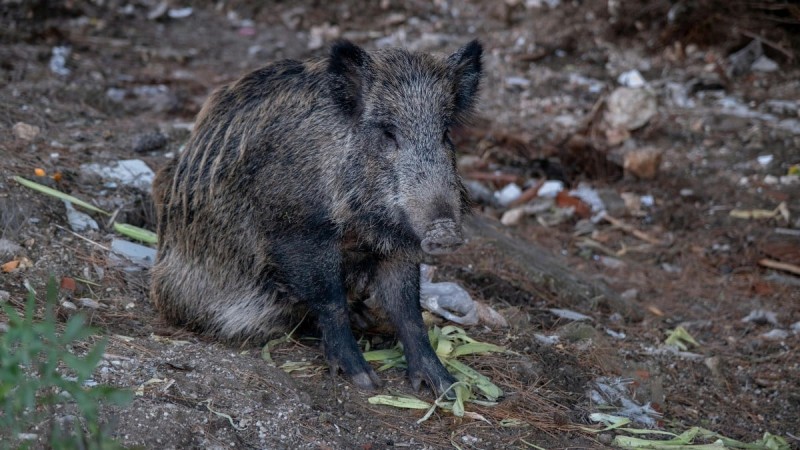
{"type": "Point", "coordinates": [316, 279]}
{"type": "Point", "coordinates": [397, 288]}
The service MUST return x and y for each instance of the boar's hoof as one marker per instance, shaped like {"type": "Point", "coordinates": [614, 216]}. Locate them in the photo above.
{"type": "Point", "coordinates": [443, 236]}
{"type": "Point", "coordinates": [437, 378]}
{"type": "Point", "coordinates": [361, 375]}
{"type": "Point", "coordinates": [367, 381]}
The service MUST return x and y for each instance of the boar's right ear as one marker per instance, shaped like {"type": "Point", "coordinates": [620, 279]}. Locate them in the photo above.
{"type": "Point", "coordinates": [467, 69]}
{"type": "Point", "coordinates": [348, 74]}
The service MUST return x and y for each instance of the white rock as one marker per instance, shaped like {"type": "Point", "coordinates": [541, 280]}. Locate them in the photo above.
{"type": "Point", "coordinates": [58, 61]}
{"type": "Point", "coordinates": [25, 131]}
{"type": "Point", "coordinates": [508, 194]}
{"type": "Point", "coordinates": [589, 196]}
{"type": "Point", "coordinates": [631, 78]}
{"type": "Point", "coordinates": [512, 216]}
{"type": "Point", "coordinates": [8, 248]}
{"type": "Point", "coordinates": [764, 160]}
{"type": "Point", "coordinates": [518, 81]}
{"type": "Point", "coordinates": [66, 304]}
{"type": "Point", "coordinates": [128, 172]}
{"type": "Point", "coordinates": [776, 334]}
{"type": "Point", "coordinates": [630, 108]}
{"type": "Point", "coordinates": [180, 13]}
{"type": "Point", "coordinates": [569, 314]}
{"type": "Point", "coordinates": [89, 303]}
{"type": "Point", "coordinates": [550, 188]}
{"type": "Point", "coordinates": [764, 64]}
{"type": "Point", "coordinates": [136, 253]}
{"type": "Point", "coordinates": [79, 221]}
{"type": "Point", "coordinates": [761, 316]}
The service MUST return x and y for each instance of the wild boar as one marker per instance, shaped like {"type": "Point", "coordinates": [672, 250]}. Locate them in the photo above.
{"type": "Point", "coordinates": [303, 181]}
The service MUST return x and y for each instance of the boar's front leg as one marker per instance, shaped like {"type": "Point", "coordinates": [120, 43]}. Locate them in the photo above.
{"type": "Point", "coordinates": [313, 273]}
{"type": "Point", "coordinates": [397, 289]}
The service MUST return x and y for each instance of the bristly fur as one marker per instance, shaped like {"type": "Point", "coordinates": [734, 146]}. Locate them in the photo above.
{"type": "Point", "coordinates": [303, 178]}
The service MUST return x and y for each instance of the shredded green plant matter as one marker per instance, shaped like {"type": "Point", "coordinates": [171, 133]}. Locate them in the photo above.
{"type": "Point", "coordinates": [450, 342]}
{"type": "Point", "coordinates": [688, 440]}
{"type": "Point", "coordinates": [680, 339]}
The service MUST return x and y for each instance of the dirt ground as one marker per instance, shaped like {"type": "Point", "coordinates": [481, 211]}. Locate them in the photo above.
{"type": "Point", "coordinates": [135, 83]}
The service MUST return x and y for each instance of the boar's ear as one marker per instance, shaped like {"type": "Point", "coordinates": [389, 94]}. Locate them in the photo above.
{"type": "Point", "coordinates": [467, 69]}
{"type": "Point", "coordinates": [348, 74]}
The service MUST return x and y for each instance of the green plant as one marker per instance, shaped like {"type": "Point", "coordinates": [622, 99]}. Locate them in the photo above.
{"type": "Point", "coordinates": [38, 372]}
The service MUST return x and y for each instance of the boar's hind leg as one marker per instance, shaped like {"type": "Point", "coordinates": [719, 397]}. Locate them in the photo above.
{"type": "Point", "coordinates": [316, 278]}
{"type": "Point", "coordinates": [397, 288]}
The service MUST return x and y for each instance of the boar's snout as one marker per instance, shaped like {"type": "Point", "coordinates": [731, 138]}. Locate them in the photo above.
{"type": "Point", "coordinates": [443, 236]}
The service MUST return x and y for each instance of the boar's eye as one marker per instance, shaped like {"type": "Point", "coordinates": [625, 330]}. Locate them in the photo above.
{"type": "Point", "coordinates": [389, 134]}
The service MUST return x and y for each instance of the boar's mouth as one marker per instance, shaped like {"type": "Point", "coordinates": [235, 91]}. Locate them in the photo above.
{"type": "Point", "coordinates": [443, 236]}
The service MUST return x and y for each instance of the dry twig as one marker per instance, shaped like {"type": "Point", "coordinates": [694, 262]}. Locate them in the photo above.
{"type": "Point", "coordinates": [635, 232]}
{"type": "Point", "coordinates": [777, 265]}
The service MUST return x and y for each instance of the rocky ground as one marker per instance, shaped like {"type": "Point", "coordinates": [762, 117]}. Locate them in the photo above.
{"type": "Point", "coordinates": [658, 176]}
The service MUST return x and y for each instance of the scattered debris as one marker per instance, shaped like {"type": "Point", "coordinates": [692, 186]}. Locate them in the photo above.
{"type": "Point", "coordinates": [452, 302]}
{"type": "Point", "coordinates": [568, 202]}
{"type": "Point", "coordinates": [613, 394]}
{"type": "Point", "coordinates": [15, 264]}
{"type": "Point", "coordinates": [180, 13]}
{"type": "Point", "coordinates": [776, 335]}
{"type": "Point", "coordinates": [780, 211]}
{"type": "Point", "coordinates": [9, 248]}
{"type": "Point", "coordinates": [630, 108]}
{"type": "Point", "coordinates": [79, 221]}
{"type": "Point", "coordinates": [546, 340]}
{"type": "Point", "coordinates": [644, 162]}
{"type": "Point", "coordinates": [777, 265]}
{"type": "Point", "coordinates": [508, 194]}
{"type": "Point", "coordinates": [514, 215]}
{"type": "Point", "coordinates": [25, 131]}
{"type": "Point", "coordinates": [632, 79]}
{"type": "Point", "coordinates": [741, 62]}
{"type": "Point", "coordinates": [761, 317]}
{"type": "Point", "coordinates": [569, 314]}
{"type": "Point", "coordinates": [764, 160]}
{"type": "Point", "coordinates": [68, 305]}
{"type": "Point", "coordinates": [551, 188]}
{"type": "Point", "coordinates": [764, 64]}
{"type": "Point", "coordinates": [89, 303]}
{"type": "Point", "coordinates": [128, 172]}
{"type": "Point", "coordinates": [680, 339]}
{"type": "Point", "coordinates": [140, 255]}
{"type": "Point", "coordinates": [630, 229]}
{"type": "Point", "coordinates": [58, 60]}
{"type": "Point", "coordinates": [449, 342]}
{"type": "Point", "coordinates": [68, 284]}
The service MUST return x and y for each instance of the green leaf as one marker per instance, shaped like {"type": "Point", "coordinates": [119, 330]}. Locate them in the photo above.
{"type": "Point", "coordinates": [381, 355]}
{"type": "Point", "coordinates": [680, 339]}
{"type": "Point", "coordinates": [58, 194]}
{"type": "Point", "coordinates": [476, 348]}
{"type": "Point", "coordinates": [133, 232]}
{"type": "Point", "coordinates": [463, 372]}
{"type": "Point", "coordinates": [399, 401]}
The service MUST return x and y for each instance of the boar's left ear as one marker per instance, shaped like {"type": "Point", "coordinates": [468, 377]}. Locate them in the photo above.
{"type": "Point", "coordinates": [348, 75]}
{"type": "Point", "coordinates": [467, 69]}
